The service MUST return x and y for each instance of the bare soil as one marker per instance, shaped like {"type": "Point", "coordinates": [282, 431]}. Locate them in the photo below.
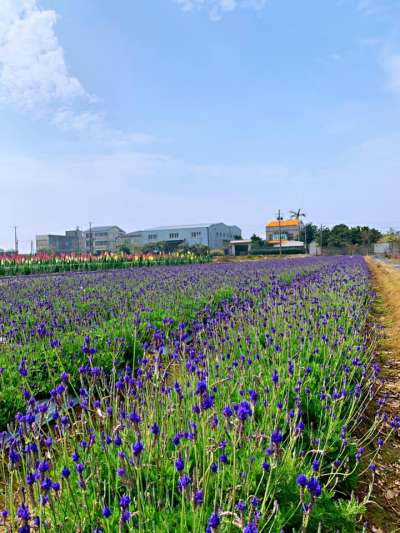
{"type": "Point", "coordinates": [383, 514]}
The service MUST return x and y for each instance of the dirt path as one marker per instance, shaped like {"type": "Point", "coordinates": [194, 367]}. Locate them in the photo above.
{"type": "Point", "coordinates": [384, 512]}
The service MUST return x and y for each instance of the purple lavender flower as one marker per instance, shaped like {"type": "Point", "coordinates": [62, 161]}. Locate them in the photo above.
{"type": "Point", "coordinates": [227, 411]}
{"type": "Point", "coordinates": [243, 410]}
{"type": "Point", "coordinates": [137, 448]}
{"type": "Point", "coordinates": [276, 437]}
{"type": "Point", "coordinates": [125, 517]}
{"type": "Point", "coordinates": [214, 521]}
{"type": "Point", "coordinates": [251, 527]}
{"type": "Point", "coordinates": [183, 482]}
{"type": "Point", "coordinates": [241, 506]}
{"type": "Point", "coordinates": [125, 501]}
{"type": "Point", "coordinates": [23, 512]}
{"type": "Point", "coordinates": [314, 487]}
{"type": "Point", "coordinates": [302, 480]}
{"type": "Point", "coordinates": [179, 464]}
{"type": "Point", "coordinates": [198, 497]}
{"type": "Point", "coordinates": [106, 512]}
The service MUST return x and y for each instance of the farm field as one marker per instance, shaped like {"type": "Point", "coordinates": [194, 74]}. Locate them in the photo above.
{"type": "Point", "coordinates": [212, 397]}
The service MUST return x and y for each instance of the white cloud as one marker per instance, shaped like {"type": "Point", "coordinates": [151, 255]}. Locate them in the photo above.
{"type": "Point", "coordinates": [32, 65]}
{"type": "Point", "coordinates": [93, 127]}
{"type": "Point", "coordinates": [34, 76]}
{"type": "Point", "coordinates": [377, 7]}
{"type": "Point", "coordinates": [217, 8]}
{"type": "Point", "coordinates": [369, 7]}
{"type": "Point", "coordinates": [390, 62]}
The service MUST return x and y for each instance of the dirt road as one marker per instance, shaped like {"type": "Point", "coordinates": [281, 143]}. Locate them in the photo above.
{"type": "Point", "coordinates": [384, 513]}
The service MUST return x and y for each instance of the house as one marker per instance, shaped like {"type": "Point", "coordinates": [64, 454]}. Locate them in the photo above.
{"type": "Point", "coordinates": [284, 232]}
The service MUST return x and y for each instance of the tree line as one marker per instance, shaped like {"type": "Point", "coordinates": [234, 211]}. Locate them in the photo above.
{"type": "Point", "coordinates": [340, 235]}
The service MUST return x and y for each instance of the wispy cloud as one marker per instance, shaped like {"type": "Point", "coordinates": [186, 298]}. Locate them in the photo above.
{"type": "Point", "coordinates": [217, 8]}
{"type": "Point", "coordinates": [93, 126]}
{"type": "Point", "coordinates": [376, 7]}
{"type": "Point", "coordinates": [35, 78]}
{"type": "Point", "coordinates": [390, 61]}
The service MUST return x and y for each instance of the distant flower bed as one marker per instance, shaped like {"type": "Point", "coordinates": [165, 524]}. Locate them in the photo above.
{"type": "Point", "coordinates": [11, 265]}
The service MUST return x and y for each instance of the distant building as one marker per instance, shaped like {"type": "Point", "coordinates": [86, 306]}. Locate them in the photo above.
{"type": "Point", "coordinates": [387, 248]}
{"type": "Point", "coordinates": [103, 238]}
{"type": "Point", "coordinates": [95, 240]}
{"type": "Point", "coordinates": [72, 241]}
{"type": "Point", "coordinates": [284, 231]}
{"type": "Point", "coordinates": [216, 235]}
{"type": "Point", "coordinates": [314, 248]}
{"type": "Point", "coordinates": [240, 246]}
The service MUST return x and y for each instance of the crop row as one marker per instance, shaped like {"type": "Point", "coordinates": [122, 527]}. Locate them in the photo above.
{"type": "Point", "coordinates": [47, 264]}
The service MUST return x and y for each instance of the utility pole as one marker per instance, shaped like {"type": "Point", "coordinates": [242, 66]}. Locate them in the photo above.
{"type": "Point", "coordinates": [280, 232]}
{"type": "Point", "coordinates": [90, 239]}
{"type": "Point", "coordinates": [320, 239]}
{"type": "Point", "coordinates": [15, 240]}
{"type": "Point", "coordinates": [78, 239]}
{"type": "Point", "coordinates": [305, 238]}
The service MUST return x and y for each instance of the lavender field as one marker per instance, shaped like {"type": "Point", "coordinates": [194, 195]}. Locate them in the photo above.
{"type": "Point", "coordinates": [216, 398]}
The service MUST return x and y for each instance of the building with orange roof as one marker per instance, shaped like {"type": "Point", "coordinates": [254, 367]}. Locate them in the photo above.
{"type": "Point", "coordinates": [283, 231]}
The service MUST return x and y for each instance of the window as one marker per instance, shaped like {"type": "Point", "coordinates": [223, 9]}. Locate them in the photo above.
{"type": "Point", "coordinates": [101, 243]}
{"type": "Point", "coordinates": [283, 236]}
{"type": "Point", "coordinates": [196, 233]}
{"type": "Point", "coordinates": [152, 236]}
{"type": "Point", "coordinates": [100, 233]}
{"type": "Point", "coordinates": [173, 235]}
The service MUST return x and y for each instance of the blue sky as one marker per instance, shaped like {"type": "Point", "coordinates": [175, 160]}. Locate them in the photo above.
{"type": "Point", "coordinates": [146, 113]}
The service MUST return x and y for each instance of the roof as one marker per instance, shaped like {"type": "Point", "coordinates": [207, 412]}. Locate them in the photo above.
{"type": "Point", "coordinates": [241, 241]}
{"type": "Point", "coordinates": [182, 226]}
{"type": "Point", "coordinates": [284, 223]}
{"type": "Point", "coordinates": [104, 228]}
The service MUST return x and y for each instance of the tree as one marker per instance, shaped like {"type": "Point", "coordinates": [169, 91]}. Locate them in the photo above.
{"type": "Point", "coordinates": [124, 248]}
{"type": "Point", "coordinates": [257, 240]}
{"type": "Point", "coordinates": [322, 236]}
{"type": "Point", "coordinates": [391, 236]}
{"type": "Point", "coordinates": [297, 214]}
{"type": "Point", "coordinates": [308, 233]}
{"type": "Point", "coordinates": [340, 235]}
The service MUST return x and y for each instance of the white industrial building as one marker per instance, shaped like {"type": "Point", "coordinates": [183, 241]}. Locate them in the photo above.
{"type": "Point", "coordinates": [215, 235]}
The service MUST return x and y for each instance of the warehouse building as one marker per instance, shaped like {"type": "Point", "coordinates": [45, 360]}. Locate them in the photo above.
{"type": "Point", "coordinates": [216, 235]}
